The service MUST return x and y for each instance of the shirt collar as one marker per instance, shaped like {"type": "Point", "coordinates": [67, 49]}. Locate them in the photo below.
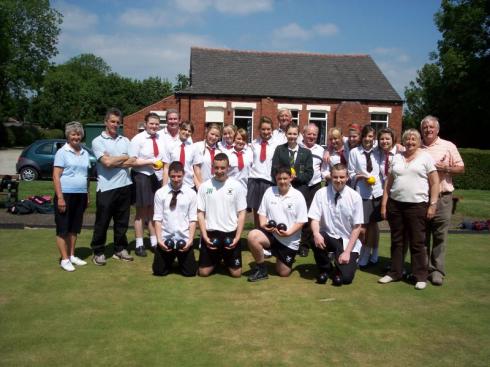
{"type": "Point", "coordinates": [107, 136]}
{"type": "Point", "coordinates": [69, 148]}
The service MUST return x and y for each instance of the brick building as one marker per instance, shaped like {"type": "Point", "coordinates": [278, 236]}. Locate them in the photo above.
{"type": "Point", "coordinates": [237, 87]}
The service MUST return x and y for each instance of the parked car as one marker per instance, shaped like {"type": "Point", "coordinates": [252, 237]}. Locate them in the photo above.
{"type": "Point", "coordinates": [36, 161]}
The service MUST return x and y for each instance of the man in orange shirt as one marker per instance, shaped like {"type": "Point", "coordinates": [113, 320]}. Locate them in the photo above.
{"type": "Point", "coordinates": [448, 162]}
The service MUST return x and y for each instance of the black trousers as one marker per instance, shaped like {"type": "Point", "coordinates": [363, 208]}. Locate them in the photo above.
{"type": "Point", "coordinates": [163, 260]}
{"type": "Point", "coordinates": [347, 271]}
{"type": "Point", "coordinates": [112, 204]}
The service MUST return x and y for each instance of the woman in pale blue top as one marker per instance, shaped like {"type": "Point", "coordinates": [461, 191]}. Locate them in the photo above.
{"type": "Point", "coordinates": [70, 180]}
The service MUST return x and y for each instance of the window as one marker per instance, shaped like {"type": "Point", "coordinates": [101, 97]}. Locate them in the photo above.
{"type": "Point", "coordinates": [379, 117]}
{"type": "Point", "coordinates": [295, 116]}
{"type": "Point", "coordinates": [379, 121]}
{"type": "Point", "coordinates": [46, 148]}
{"type": "Point", "coordinates": [215, 112]}
{"type": "Point", "coordinates": [243, 119]}
{"type": "Point", "coordinates": [319, 118]}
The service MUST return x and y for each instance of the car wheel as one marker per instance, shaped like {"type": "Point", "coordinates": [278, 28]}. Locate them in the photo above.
{"type": "Point", "coordinates": [29, 173]}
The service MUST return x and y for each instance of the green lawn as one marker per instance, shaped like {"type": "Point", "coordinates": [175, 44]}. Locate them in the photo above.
{"type": "Point", "coordinates": [121, 315]}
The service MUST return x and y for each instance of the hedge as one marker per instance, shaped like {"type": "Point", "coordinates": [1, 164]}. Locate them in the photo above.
{"type": "Point", "coordinates": [477, 170]}
{"type": "Point", "coordinates": [23, 136]}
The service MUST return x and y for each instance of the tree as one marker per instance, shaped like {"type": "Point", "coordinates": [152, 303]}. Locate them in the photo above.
{"type": "Point", "coordinates": [457, 87]}
{"type": "Point", "coordinates": [29, 32]}
{"type": "Point", "coordinates": [182, 82]}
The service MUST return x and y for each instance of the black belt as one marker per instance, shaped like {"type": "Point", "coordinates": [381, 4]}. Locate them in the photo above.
{"type": "Point", "coordinates": [445, 193]}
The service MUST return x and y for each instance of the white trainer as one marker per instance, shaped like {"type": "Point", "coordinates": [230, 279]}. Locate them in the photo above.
{"type": "Point", "coordinates": [420, 285]}
{"type": "Point", "coordinates": [67, 265]}
{"type": "Point", "coordinates": [77, 261]}
{"type": "Point", "coordinates": [385, 279]}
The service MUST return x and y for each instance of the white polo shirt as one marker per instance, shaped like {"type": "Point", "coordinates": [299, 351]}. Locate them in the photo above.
{"type": "Point", "coordinates": [175, 223]}
{"type": "Point", "coordinates": [262, 169]}
{"type": "Point", "coordinates": [288, 209]}
{"type": "Point", "coordinates": [338, 220]}
{"type": "Point", "coordinates": [141, 146]}
{"type": "Point", "coordinates": [221, 201]}
{"type": "Point", "coordinates": [317, 152]}
{"type": "Point", "coordinates": [357, 164]}
{"type": "Point", "coordinates": [205, 159]}
{"type": "Point", "coordinates": [192, 158]}
{"type": "Point", "coordinates": [234, 172]}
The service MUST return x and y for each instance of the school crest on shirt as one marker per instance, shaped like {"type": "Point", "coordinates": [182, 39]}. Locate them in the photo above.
{"type": "Point", "coordinates": [209, 191]}
{"type": "Point", "coordinates": [230, 191]}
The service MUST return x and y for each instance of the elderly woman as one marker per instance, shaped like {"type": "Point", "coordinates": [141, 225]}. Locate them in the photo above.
{"type": "Point", "coordinates": [335, 153]}
{"type": "Point", "coordinates": [70, 180]}
{"type": "Point", "coordinates": [409, 199]}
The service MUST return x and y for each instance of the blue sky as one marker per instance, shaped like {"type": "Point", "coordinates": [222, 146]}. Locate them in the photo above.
{"type": "Point", "coordinates": [146, 38]}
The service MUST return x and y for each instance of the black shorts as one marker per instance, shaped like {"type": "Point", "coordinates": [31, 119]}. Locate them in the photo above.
{"type": "Point", "coordinates": [163, 261]}
{"type": "Point", "coordinates": [372, 210]}
{"type": "Point", "coordinates": [256, 188]}
{"type": "Point", "coordinates": [232, 258]}
{"type": "Point", "coordinates": [279, 251]}
{"type": "Point", "coordinates": [71, 220]}
{"type": "Point", "coordinates": [144, 188]}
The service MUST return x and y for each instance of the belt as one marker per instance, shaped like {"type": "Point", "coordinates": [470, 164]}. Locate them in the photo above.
{"type": "Point", "coordinates": [445, 193]}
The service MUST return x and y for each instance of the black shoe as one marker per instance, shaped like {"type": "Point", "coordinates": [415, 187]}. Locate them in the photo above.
{"type": "Point", "coordinates": [337, 280]}
{"type": "Point", "coordinates": [259, 273]}
{"type": "Point", "coordinates": [322, 278]}
{"type": "Point", "coordinates": [303, 251]}
{"type": "Point", "coordinates": [140, 251]}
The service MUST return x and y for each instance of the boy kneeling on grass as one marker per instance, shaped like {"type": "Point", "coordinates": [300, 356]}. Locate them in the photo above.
{"type": "Point", "coordinates": [282, 214]}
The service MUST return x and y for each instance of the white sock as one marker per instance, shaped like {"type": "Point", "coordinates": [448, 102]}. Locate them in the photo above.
{"type": "Point", "coordinates": [153, 241]}
{"type": "Point", "coordinates": [139, 242]}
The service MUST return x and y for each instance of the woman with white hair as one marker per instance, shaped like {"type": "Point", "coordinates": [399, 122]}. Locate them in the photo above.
{"type": "Point", "coordinates": [70, 180]}
{"type": "Point", "coordinates": [409, 199]}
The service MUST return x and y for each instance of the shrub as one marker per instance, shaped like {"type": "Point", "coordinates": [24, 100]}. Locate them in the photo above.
{"type": "Point", "coordinates": [53, 134]}
{"type": "Point", "coordinates": [477, 170]}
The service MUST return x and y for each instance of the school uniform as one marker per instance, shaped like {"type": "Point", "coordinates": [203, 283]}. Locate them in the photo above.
{"type": "Point", "coordinates": [147, 180]}
{"type": "Point", "coordinates": [206, 158]}
{"type": "Point", "coordinates": [221, 202]}
{"type": "Point", "coordinates": [299, 158]}
{"type": "Point", "coordinates": [240, 165]}
{"type": "Point", "coordinates": [337, 218]}
{"type": "Point", "coordinates": [260, 178]}
{"type": "Point", "coordinates": [185, 153]}
{"type": "Point", "coordinates": [113, 198]}
{"type": "Point", "coordinates": [175, 225]}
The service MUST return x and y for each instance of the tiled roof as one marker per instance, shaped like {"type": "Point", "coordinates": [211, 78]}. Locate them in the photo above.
{"type": "Point", "coordinates": [297, 75]}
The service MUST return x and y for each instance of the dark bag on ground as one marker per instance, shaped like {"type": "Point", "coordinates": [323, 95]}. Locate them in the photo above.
{"type": "Point", "coordinates": [21, 207]}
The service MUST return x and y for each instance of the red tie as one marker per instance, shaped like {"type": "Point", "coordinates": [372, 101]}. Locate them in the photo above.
{"type": "Point", "coordinates": [211, 153]}
{"type": "Point", "coordinates": [263, 150]}
{"type": "Point", "coordinates": [387, 163]}
{"type": "Point", "coordinates": [240, 159]}
{"type": "Point", "coordinates": [182, 154]}
{"type": "Point", "coordinates": [342, 158]}
{"type": "Point", "coordinates": [155, 146]}
{"type": "Point", "coordinates": [229, 146]}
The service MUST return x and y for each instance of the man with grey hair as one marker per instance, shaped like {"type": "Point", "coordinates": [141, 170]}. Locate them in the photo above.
{"type": "Point", "coordinates": [448, 162]}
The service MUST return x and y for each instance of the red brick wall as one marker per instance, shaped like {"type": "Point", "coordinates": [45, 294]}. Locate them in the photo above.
{"type": "Point", "coordinates": [191, 108]}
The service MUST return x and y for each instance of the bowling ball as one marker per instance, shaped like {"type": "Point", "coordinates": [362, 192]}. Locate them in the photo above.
{"type": "Point", "coordinates": [228, 241]}
{"type": "Point", "coordinates": [293, 171]}
{"type": "Point", "coordinates": [282, 227]}
{"type": "Point", "coordinates": [215, 242]}
{"type": "Point", "coordinates": [371, 180]}
{"type": "Point", "coordinates": [271, 223]}
{"type": "Point", "coordinates": [180, 244]}
{"type": "Point", "coordinates": [170, 243]}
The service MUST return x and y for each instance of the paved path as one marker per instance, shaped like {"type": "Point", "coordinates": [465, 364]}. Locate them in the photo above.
{"type": "Point", "coordinates": [8, 159]}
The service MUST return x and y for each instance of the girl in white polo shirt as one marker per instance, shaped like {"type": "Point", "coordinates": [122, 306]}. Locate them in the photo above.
{"type": "Point", "coordinates": [208, 149]}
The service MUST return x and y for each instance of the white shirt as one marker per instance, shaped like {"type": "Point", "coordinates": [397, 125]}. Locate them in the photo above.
{"type": "Point", "coordinates": [262, 169]}
{"type": "Point", "coordinates": [175, 223]}
{"type": "Point", "coordinates": [338, 220]}
{"type": "Point", "coordinates": [221, 202]}
{"type": "Point", "coordinates": [411, 179]}
{"type": "Point", "coordinates": [141, 146]}
{"type": "Point", "coordinates": [205, 159]}
{"type": "Point", "coordinates": [279, 137]}
{"type": "Point", "coordinates": [192, 158]}
{"type": "Point", "coordinates": [288, 209]}
{"type": "Point", "coordinates": [357, 164]}
{"type": "Point", "coordinates": [234, 172]}
{"type": "Point", "coordinates": [317, 152]}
